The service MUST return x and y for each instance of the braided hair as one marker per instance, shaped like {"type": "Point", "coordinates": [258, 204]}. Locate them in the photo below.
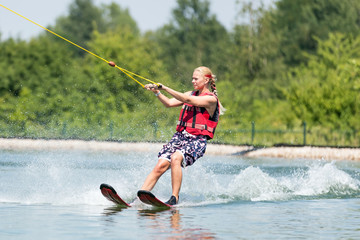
{"type": "Point", "coordinates": [212, 84]}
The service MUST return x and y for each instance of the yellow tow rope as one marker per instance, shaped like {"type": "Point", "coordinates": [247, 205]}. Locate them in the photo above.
{"type": "Point", "coordinates": [127, 72]}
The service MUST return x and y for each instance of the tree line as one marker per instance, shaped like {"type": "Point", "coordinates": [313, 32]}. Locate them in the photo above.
{"type": "Point", "coordinates": [295, 62]}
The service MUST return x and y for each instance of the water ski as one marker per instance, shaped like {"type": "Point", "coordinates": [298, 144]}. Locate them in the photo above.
{"type": "Point", "coordinates": [110, 194]}
{"type": "Point", "coordinates": [149, 198]}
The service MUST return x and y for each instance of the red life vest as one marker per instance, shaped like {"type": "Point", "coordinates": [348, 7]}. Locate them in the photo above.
{"type": "Point", "coordinates": [197, 120]}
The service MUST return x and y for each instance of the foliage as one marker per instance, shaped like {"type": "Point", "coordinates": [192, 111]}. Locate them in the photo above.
{"type": "Point", "coordinates": [84, 18]}
{"type": "Point", "coordinates": [299, 21]}
{"type": "Point", "coordinates": [32, 85]}
{"type": "Point", "coordinates": [293, 63]}
{"type": "Point", "coordinates": [326, 91]}
{"type": "Point", "coordinates": [193, 38]}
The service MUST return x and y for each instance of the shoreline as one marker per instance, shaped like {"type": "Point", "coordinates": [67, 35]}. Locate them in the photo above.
{"type": "Point", "coordinates": [306, 152]}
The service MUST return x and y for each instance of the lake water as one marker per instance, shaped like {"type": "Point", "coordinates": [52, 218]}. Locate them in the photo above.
{"type": "Point", "coordinates": [56, 195]}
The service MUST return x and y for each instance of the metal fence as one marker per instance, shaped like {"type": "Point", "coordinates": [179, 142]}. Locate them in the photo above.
{"type": "Point", "coordinates": [302, 135]}
{"type": "Point", "coordinates": [315, 136]}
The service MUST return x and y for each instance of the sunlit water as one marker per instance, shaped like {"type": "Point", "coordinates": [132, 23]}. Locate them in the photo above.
{"type": "Point", "coordinates": [55, 195]}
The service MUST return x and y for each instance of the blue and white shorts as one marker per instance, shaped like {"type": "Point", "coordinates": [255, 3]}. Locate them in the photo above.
{"type": "Point", "coordinates": [192, 147]}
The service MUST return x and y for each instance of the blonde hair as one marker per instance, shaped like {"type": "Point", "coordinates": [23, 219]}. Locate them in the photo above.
{"type": "Point", "coordinates": [207, 73]}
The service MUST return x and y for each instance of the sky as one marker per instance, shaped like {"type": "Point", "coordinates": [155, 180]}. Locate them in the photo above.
{"type": "Point", "coordinates": [149, 14]}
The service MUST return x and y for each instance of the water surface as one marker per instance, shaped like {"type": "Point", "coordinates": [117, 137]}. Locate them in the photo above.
{"type": "Point", "coordinates": [55, 195]}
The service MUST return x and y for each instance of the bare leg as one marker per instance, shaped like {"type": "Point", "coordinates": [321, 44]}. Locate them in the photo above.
{"type": "Point", "coordinates": [176, 173]}
{"type": "Point", "coordinates": [161, 167]}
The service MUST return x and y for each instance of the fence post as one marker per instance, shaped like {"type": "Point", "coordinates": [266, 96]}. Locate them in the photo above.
{"type": "Point", "coordinates": [23, 128]}
{"type": "Point", "coordinates": [111, 128]}
{"type": "Point", "coordinates": [155, 125]}
{"type": "Point", "coordinates": [252, 132]}
{"type": "Point", "coordinates": [64, 128]}
{"type": "Point", "coordinates": [304, 132]}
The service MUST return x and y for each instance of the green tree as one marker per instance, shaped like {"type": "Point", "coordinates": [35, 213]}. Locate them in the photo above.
{"type": "Point", "coordinates": [116, 18]}
{"type": "Point", "coordinates": [194, 38]}
{"type": "Point", "coordinates": [84, 17]}
{"type": "Point", "coordinates": [326, 91]}
{"type": "Point", "coordinates": [256, 65]}
{"type": "Point", "coordinates": [36, 82]}
{"type": "Point", "coordinates": [106, 94]}
{"type": "Point", "coordinates": [299, 21]}
{"type": "Point", "coordinates": [128, 51]}
{"type": "Point", "coordinates": [13, 66]}
{"type": "Point", "coordinates": [255, 53]}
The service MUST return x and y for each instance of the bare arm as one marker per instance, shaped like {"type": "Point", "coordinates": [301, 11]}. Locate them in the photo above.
{"type": "Point", "coordinates": [198, 101]}
{"type": "Point", "coordinates": [168, 102]}
{"type": "Point", "coordinates": [209, 102]}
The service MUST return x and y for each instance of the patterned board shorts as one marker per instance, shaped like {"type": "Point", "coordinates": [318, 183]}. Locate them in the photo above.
{"type": "Point", "coordinates": [191, 147]}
